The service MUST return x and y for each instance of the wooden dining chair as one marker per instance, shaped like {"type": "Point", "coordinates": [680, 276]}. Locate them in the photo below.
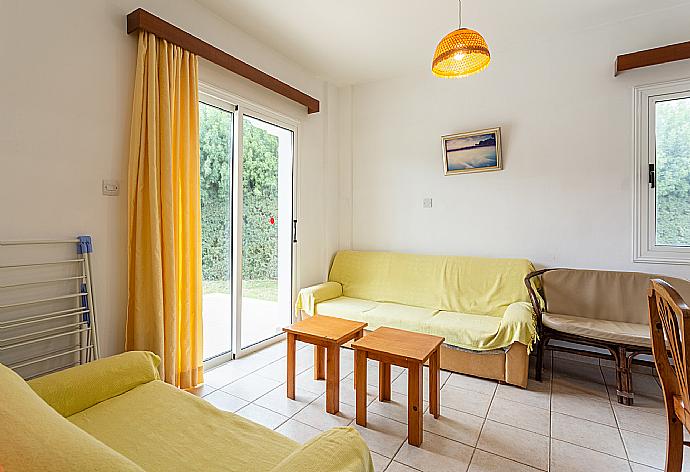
{"type": "Point", "coordinates": [669, 321]}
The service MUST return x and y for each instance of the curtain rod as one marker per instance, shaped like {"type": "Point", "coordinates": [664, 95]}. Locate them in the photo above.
{"type": "Point", "coordinates": [141, 20]}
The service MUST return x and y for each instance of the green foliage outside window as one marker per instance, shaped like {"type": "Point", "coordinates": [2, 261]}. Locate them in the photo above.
{"type": "Point", "coordinates": [260, 201]}
{"type": "Point", "coordinates": [673, 172]}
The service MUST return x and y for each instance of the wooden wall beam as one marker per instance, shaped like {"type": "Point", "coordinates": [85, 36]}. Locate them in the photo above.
{"type": "Point", "coordinates": [141, 20]}
{"type": "Point", "coordinates": [650, 57]}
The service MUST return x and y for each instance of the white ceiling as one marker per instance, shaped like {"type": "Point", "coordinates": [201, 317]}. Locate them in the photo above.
{"type": "Point", "coordinates": [354, 41]}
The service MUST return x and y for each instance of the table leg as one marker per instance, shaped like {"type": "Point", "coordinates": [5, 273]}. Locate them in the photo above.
{"type": "Point", "coordinates": [359, 335]}
{"type": "Point", "coordinates": [384, 381]}
{"type": "Point", "coordinates": [333, 379]}
{"type": "Point", "coordinates": [319, 362]}
{"type": "Point", "coordinates": [414, 403]}
{"type": "Point", "coordinates": [291, 350]}
{"type": "Point", "coordinates": [361, 387]}
{"type": "Point", "coordinates": [434, 384]}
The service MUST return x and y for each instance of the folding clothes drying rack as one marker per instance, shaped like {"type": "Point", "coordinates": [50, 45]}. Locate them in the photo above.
{"type": "Point", "coordinates": [47, 310]}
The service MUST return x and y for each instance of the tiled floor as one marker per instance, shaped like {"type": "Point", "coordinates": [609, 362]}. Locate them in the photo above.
{"type": "Point", "coordinates": [569, 422]}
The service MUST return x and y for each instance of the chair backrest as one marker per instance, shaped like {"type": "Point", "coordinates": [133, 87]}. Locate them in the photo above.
{"type": "Point", "coordinates": [602, 294]}
{"type": "Point", "coordinates": [473, 285]}
{"type": "Point", "coordinates": [668, 321]}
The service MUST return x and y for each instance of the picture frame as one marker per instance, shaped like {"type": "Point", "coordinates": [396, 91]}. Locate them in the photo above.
{"type": "Point", "coordinates": [472, 151]}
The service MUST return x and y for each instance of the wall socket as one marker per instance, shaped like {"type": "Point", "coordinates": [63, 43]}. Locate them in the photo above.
{"type": "Point", "coordinates": [111, 188]}
{"type": "Point", "coordinates": [427, 203]}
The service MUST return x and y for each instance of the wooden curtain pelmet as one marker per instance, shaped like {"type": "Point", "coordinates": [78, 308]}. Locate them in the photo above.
{"type": "Point", "coordinates": [651, 57]}
{"type": "Point", "coordinates": [141, 20]}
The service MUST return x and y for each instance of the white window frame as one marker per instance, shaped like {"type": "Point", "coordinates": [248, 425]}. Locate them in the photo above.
{"type": "Point", "coordinates": [644, 216]}
{"type": "Point", "coordinates": [225, 100]}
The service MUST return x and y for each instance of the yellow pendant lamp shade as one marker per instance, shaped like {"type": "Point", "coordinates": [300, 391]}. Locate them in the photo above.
{"type": "Point", "coordinates": [460, 53]}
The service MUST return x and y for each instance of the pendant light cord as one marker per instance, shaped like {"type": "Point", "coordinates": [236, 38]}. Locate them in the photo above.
{"type": "Point", "coordinates": [459, 14]}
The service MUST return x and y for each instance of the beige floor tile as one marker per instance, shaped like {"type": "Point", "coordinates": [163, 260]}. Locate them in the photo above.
{"type": "Point", "coordinates": [373, 373]}
{"type": "Point", "coordinates": [348, 394]}
{"type": "Point", "coordinates": [642, 468]}
{"type": "Point", "coordinates": [382, 435]}
{"type": "Point", "coordinates": [306, 381]}
{"type": "Point", "coordinates": [315, 415]}
{"type": "Point", "coordinates": [398, 467]}
{"type": "Point", "coordinates": [567, 457]}
{"type": "Point", "coordinates": [476, 384]}
{"type": "Point", "coordinates": [395, 409]}
{"type": "Point", "coordinates": [201, 390]}
{"type": "Point", "coordinates": [263, 416]}
{"type": "Point", "coordinates": [631, 418]}
{"type": "Point", "coordinates": [520, 415]}
{"type": "Point", "coordinates": [587, 407]}
{"type": "Point", "coordinates": [559, 355]}
{"type": "Point", "coordinates": [225, 401]}
{"type": "Point", "coordinates": [465, 400]}
{"type": "Point", "coordinates": [536, 394]}
{"type": "Point", "coordinates": [516, 444]}
{"type": "Point", "coordinates": [645, 450]}
{"type": "Point", "coordinates": [577, 371]}
{"type": "Point", "coordinates": [579, 386]}
{"type": "Point", "coordinates": [278, 370]}
{"type": "Point", "coordinates": [588, 434]}
{"type": "Point", "coordinates": [224, 374]}
{"type": "Point", "coordinates": [455, 425]}
{"type": "Point", "coordinates": [380, 462]}
{"type": "Point", "coordinates": [297, 431]}
{"type": "Point", "coordinates": [436, 454]}
{"type": "Point", "coordinates": [277, 400]}
{"type": "Point", "coordinates": [251, 387]}
{"type": "Point", "coordinates": [487, 462]}
{"type": "Point", "coordinates": [399, 385]}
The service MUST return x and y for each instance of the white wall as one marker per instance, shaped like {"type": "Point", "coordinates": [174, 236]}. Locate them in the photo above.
{"type": "Point", "coordinates": [65, 100]}
{"type": "Point", "coordinates": [564, 197]}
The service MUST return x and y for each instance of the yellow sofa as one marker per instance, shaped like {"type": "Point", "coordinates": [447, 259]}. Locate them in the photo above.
{"type": "Point", "coordinates": [480, 305]}
{"type": "Point", "coordinates": [115, 414]}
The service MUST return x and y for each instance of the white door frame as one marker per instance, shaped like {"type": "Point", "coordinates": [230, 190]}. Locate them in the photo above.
{"type": "Point", "coordinates": [240, 107]}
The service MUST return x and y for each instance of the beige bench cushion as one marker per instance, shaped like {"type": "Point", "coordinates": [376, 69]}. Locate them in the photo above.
{"type": "Point", "coordinates": [604, 330]}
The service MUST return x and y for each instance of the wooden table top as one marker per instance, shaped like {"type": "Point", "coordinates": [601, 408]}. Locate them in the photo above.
{"type": "Point", "coordinates": [326, 327]}
{"type": "Point", "coordinates": [399, 343]}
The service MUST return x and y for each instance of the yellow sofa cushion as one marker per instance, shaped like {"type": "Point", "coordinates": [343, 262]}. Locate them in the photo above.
{"type": "Point", "coordinates": [345, 307]}
{"type": "Point", "coordinates": [164, 429]}
{"type": "Point", "coordinates": [634, 334]}
{"type": "Point", "coordinates": [73, 390]}
{"type": "Point", "coordinates": [483, 286]}
{"type": "Point", "coordinates": [336, 450]}
{"type": "Point", "coordinates": [394, 315]}
{"type": "Point", "coordinates": [34, 437]}
{"type": "Point", "coordinates": [310, 296]}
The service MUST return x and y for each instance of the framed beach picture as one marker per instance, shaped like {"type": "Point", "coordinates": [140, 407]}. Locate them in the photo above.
{"type": "Point", "coordinates": [476, 151]}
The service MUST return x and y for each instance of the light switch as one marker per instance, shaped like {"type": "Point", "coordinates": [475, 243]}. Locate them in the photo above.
{"type": "Point", "coordinates": [111, 188]}
{"type": "Point", "coordinates": [427, 203]}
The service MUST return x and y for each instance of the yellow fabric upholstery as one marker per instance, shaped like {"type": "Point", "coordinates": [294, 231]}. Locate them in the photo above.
{"type": "Point", "coordinates": [164, 243]}
{"type": "Point", "coordinates": [35, 438]}
{"type": "Point", "coordinates": [336, 450]}
{"type": "Point", "coordinates": [634, 334]}
{"type": "Point", "coordinates": [105, 378]}
{"type": "Point", "coordinates": [447, 283]}
{"type": "Point", "coordinates": [345, 307]}
{"type": "Point", "coordinates": [310, 296]}
{"type": "Point", "coordinates": [475, 303]}
{"type": "Point", "coordinates": [164, 429]}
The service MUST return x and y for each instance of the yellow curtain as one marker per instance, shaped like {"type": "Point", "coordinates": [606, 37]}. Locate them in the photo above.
{"type": "Point", "coordinates": [164, 243]}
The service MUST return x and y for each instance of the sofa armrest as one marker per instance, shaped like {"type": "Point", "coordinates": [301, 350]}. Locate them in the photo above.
{"type": "Point", "coordinates": [519, 321]}
{"type": "Point", "coordinates": [336, 450]}
{"type": "Point", "coordinates": [310, 296]}
{"type": "Point", "coordinates": [78, 388]}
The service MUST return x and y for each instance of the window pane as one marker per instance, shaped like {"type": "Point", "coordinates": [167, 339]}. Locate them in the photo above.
{"type": "Point", "coordinates": [673, 172]}
{"type": "Point", "coordinates": [215, 140]}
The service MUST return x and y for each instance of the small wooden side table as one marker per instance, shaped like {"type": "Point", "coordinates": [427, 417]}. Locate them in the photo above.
{"type": "Point", "coordinates": [327, 334]}
{"type": "Point", "coordinates": [408, 350]}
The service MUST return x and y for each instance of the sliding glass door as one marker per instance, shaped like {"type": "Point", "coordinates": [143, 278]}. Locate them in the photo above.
{"type": "Point", "coordinates": [246, 173]}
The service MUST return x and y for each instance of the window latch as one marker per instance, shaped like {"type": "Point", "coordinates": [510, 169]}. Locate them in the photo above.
{"type": "Point", "coordinates": [652, 176]}
{"type": "Point", "coordinates": [294, 231]}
